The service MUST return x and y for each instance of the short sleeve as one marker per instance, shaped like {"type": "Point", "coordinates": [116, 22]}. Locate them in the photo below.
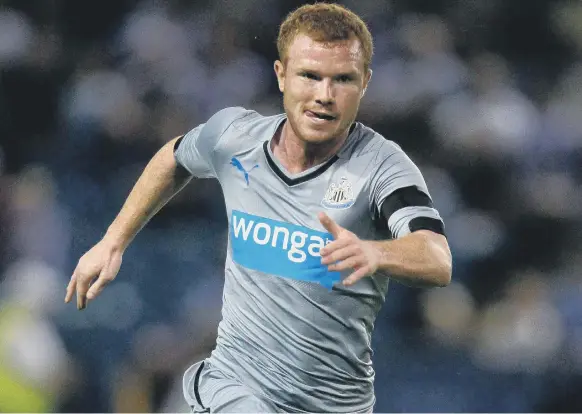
{"type": "Point", "coordinates": [188, 155]}
{"type": "Point", "coordinates": [395, 172]}
{"type": "Point", "coordinates": [196, 152]}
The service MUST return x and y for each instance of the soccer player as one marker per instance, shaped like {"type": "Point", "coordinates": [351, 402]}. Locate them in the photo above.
{"type": "Point", "coordinates": [322, 211]}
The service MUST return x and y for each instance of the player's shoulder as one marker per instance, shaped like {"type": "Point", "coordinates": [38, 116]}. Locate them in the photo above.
{"type": "Point", "coordinates": [257, 126]}
{"type": "Point", "coordinates": [243, 121]}
{"type": "Point", "coordinates": [224, 118]}
{"type": "Point", "coordinates": [240, 130]}
{"type": "Point", "coordinates": [370, 145]}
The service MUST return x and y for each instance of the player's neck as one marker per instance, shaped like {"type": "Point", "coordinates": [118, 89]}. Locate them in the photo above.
{"type": "Point", "coordinates": [297, 155]}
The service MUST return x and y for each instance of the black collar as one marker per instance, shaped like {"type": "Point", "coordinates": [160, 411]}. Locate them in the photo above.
{"type": "Point", "coordinates": [294, 181]}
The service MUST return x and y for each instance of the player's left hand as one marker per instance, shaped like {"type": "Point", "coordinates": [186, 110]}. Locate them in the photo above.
{"type": "Point", "coordinates": [348, 251]}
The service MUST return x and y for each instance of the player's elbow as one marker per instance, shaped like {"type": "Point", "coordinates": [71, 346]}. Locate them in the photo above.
{"type": "Point", "coordinates": [444, 274]}
{"type": "Point", "coordinates": [442, 263]}
{"type": "Point", "coordinates": [437, 276]}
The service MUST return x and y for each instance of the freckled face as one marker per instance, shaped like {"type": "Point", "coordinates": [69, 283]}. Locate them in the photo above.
{"type": "Point", "coordinates": [322, 85]}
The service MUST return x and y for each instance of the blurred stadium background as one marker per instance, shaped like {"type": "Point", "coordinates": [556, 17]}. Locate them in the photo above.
{"type": "Point", "coordinates": [486, 97]}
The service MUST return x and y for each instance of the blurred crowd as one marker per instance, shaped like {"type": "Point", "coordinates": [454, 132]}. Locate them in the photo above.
{"type": "Point", "coordinates": [484, 95]}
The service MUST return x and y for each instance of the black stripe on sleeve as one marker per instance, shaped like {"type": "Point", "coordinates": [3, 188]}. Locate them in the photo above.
{"type": "Point", "coordinates": [427, 223]}
{"type": "Point", "coordinates": [177, 143]}
{"type": "Point", "coordinates": [404, 197]}
{"type": "Point", "coordinates": [411, 197]}
{"type": "Point", "coordinates": [196, 382]}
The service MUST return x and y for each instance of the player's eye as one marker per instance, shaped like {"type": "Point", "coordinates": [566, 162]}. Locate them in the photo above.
{"type": "Point", "coordinates": [309, 75]}
{"type": "Point", "coordinates": [344, 78]}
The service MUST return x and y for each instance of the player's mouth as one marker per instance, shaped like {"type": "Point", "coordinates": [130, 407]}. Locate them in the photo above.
{"type": "Point", "coordinates": [320, 117]}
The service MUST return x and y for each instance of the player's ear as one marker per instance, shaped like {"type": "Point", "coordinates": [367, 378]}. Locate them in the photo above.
{"type": "Point", "coordinates": [366, 81]}
{"type": "Point", "coordinates": [280, 72]}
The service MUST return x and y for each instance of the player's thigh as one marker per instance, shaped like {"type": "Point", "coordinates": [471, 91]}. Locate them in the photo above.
{"type": "Point", "coordinates": [224, 395]}
{"type": "Point", "coordinates": [233, 401]}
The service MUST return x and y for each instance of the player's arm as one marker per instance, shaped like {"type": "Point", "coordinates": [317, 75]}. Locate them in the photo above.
{"type": "Point", "coordinates": [193, 155]}
{"type": "Point", "coordinates": [421, 258]}
{"type": "Point", "coordinates": [162, 178]}
{"type": "Point", "coordinates": [418, 255]}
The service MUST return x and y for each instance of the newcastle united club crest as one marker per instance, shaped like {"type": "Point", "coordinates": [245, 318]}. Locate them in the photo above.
{"type": "Point", "coordinates": [339, 196]}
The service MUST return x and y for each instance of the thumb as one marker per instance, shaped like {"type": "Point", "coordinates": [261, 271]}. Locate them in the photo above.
{"type": "Point", "coordinates": [330, 225]}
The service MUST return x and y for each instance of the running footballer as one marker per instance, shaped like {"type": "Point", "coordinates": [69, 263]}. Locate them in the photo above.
{"type": "Point", "coordinates": [322, 210]}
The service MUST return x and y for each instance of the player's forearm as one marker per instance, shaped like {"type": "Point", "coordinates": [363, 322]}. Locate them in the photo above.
{"type": "Point", "coordinates": [420, 259]}
{"type": "Point", "coordinates": [160, 181]}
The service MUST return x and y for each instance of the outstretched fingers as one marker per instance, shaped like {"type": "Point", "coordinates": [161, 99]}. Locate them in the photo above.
{"type": "Point", "coordinates": [71, 288]}
{"type": "Point", "coordinates": [83, 284]}
{"type": "Point", "coordinates": [337, 250]}
{"type": "Point", "coordinates": [107, 275]}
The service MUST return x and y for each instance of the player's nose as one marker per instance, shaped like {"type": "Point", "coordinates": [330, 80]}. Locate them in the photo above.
{"type": "Point", "coordinates": [324, 94]}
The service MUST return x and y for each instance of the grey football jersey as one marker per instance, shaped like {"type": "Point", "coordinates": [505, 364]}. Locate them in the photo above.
{"type": "Point", "coordinates": [289, 330]}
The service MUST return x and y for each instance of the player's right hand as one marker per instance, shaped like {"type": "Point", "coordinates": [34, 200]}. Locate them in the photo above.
{"type": "Point", "coordinates": [97, 268]}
